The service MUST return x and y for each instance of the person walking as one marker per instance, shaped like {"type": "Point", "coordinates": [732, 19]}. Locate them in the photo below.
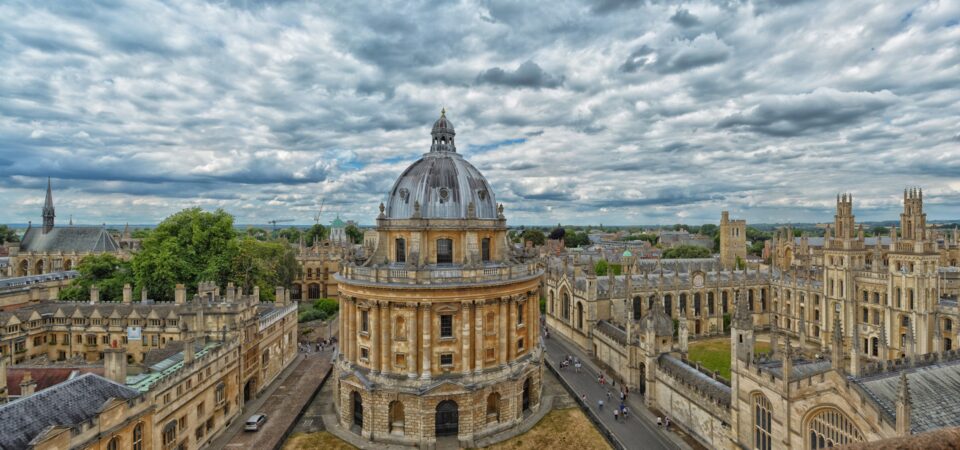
{"type": "Point", "coordinates": [659, 421]}
{"type": "Point", "coordinates": [600, 404]}
{"type": "Point", "coordinates": [608, 394]}
{"type": "Point", "coordinates": [624, 414]}
{"type": "Point", "coordinates": [666, 422]}
{"type": "Point", "coordinates": [616, 416]}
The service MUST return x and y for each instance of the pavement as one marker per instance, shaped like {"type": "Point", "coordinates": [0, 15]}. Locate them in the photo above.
{"type": "Point", "coordinates": [639, 430]}
{"type": "Point", "coordinates": [282, 402]}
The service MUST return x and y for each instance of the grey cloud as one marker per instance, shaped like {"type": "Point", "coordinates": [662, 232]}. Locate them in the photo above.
{"type": "Point", "coordinates": [528, 74]}
{"type": "Point", "coordinates": [684, 18]}
{"type": "Point", "coordinates": [821, 110]}
{"type": "Point", "coordinates": [609, 6]}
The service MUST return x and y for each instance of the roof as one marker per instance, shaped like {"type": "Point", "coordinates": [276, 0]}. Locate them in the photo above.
{"type": "Point", "coordinates": [690, 375]}
{"type": "Point", "coordinates": [143, 382]}
{"type": "Point", "coordinates": [45, 377]}
{"type": "Point", "coordinates": [68, 239]}
{"type": "Point", "coordinates": [934, 391]}
{"type": "Point", "coordinates": [66, 404]}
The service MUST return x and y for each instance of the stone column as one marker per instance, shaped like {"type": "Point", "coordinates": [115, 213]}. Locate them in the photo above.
{"type": "Point", "coordinates": [504, 304]}
{"type": "Point", "coordinates": [386, 326]}
{"type": "Point", "coordinates": [512, 328]}
{"type": "Point", "coordinates": [412, 328]}
{"type": "Point", "coordinates": [465, 341]}
{"type": "Point", "coordinates": [478, 337]}
{"type": "Point", "coordinates": [374, 336]}
{"type": "Point", "coordinates": [354, 329]}
{"type": "Point", "coordinates": [427, 325]}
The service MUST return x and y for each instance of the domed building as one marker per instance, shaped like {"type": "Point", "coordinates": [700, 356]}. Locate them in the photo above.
{"type": "Point", "coordinates": [439, 326]}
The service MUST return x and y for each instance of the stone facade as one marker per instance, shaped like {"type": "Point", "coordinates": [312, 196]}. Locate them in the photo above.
{"type": "Point", "coordinates": [733, 241]}
{"type": "Point", "coordinates": [439, 325]}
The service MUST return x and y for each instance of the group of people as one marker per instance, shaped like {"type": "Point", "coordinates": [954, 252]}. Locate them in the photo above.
{"type": "Point", "coordinates": [663, 422]}
{"type": "Point", "coordinates": [319, 346]}
{"type": "Point", "coordinates": [569, 359]}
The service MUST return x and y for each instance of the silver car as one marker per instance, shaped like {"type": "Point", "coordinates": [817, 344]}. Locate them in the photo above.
{"type": "Point", "coordinates": [255, 422]}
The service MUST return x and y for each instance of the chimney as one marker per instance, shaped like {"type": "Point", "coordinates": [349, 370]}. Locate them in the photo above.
{"type": "Point", "coordinates": [286, 296]}
{"type": "Point", "coordinates": [94, 294]}
{"type": "Point", "coordinates": [127, 293]}
{"type": "Point", "coordinates": [256, 293]}
{"type": "Point", "coordinates": [115, 365]}
{"type": "Point", "coordinates": [27, 386]}
{"type": "Point", "coordinates": [180, 294]}
{"type": "Point", "coordinates": [280, 298]}
{"type": "Point", "coordinates": [143, 294]}
{"type": "Point", "coordinates": [231, 292]}
{"type": "Point", "coordinates": [188, 351]}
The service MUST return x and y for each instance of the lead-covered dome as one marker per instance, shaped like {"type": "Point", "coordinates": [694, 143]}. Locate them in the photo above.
{"type": "Point", "coordinates": [442, 182]}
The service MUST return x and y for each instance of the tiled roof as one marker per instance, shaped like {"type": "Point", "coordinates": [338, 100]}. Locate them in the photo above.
{"type": "Point", "coordinates": [45, 376]}
{"type": "Point", "coordinates": [69, 239]}
{"type": "Point", "coordinates": [66, 404]}
{"type": "Point", "coordinates": [715, 389]}
{"type": "Point", "coordinates": [934, 391]}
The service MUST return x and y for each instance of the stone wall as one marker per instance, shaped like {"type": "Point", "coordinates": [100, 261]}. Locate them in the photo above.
{"type": "Point", "coordinates": [697, 414]}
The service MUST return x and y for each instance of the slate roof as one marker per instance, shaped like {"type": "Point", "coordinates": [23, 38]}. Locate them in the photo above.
{"type": "Point", "coordinates": [617, 334]}
{"type": "Point", "coordinates": [68, 239]}
{"type": "Point", "coordinates": [702, 382]}
{"type": "Point", "coordinates": [67, 404]}
{"type": "Point", "coordinates": [45, 376]}
{"type": "Point", "coordinates": [934, 391]}
{"type": "Point", "coordinates": [802, 368]}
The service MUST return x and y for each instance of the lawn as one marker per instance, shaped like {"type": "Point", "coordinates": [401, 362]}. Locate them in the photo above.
{"type": "Point", "coordinates": [310, 441]}
{"type": "Point", "coordinates": [559, 429]}
{"type": "Point", "coordinates": [714, 354]}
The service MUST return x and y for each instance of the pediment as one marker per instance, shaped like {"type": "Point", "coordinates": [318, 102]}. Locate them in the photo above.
{"type": "Point", "coordinates": [445, 388]}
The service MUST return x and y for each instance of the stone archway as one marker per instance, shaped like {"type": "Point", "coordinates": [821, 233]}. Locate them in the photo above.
{"type": "Point", "coordinates": [357, 409]}
{"type": "Point", "coordinates": [38, 268]}
{"type": "Point", "coordinates": [525, 397]}
{"type": "Point", "coordinates": [23, 268]}
{"type": "Point", "coordinates": [447, 419]}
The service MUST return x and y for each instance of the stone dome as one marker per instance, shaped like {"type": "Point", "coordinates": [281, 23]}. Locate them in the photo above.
{"type": "Point", "coordinates": [442, 182]}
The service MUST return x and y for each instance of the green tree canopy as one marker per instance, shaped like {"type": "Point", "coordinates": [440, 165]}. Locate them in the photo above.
{"type": "Point", "coordinates": [354, 234]}
{"type": "Point", "coordinates": [535, 236]}
{"type": "Point", "coordinates": [315, 233]}
{"type": "Point", "coordinates": [602, 267]}
{"type": "Point", "coordinates": [651, 238]}
{"type": "Point", "coordinates": [106, 271]}
{"type": "Point", "coordinates": [686, 251]}
{"type": "Point", "coordinates": [190, 246]}
{"type": "Point", "coordinates": [709, 229]}
{"type": "Point", "coordinates": [8, 234]}
{"type": "Point", "coordinates": [257, 233]}
{"type": "Point", "coordinates": [291, 234]}
{"type": "Point", "coordinates": [263, 264]}
{"type": "Point", "coordinates": [572, 239]}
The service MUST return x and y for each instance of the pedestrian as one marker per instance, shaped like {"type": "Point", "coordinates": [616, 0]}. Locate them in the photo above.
{"type": "Point", "coordinates": [616, 415]}
{"type": "Point", "coordinates": [578, 366]}
{"type": "Point", "coordinates": [608, 394]}
{"type": "Point", "coordinates": [622, 396]}
{"type": "Point", "coordinates": [600, 380]}
{"type": "Point", "coordinates": [584, 398]}
{"type": "Point", "coordinates": [600, 404]}
{"type": "Point", "coordinates": [622, 406]}
{"type": "Point", "coordinates": [659, 422]}
{"type": "Point", "coordinates": [624, 413]}
{"type": "Point", "coordinates": [666, 422]}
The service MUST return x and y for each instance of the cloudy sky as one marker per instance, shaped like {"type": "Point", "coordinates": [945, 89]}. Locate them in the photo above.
{"type": "Point", "coordinates": [603, 111]}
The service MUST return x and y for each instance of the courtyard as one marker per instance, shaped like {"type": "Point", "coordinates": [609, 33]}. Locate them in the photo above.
{"type": "Point", "coordinates": [714, 354]}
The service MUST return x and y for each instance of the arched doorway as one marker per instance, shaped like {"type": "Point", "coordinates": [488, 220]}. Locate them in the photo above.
{"type": "Point", "coordinates": [249, 389]}
{"type": "Point", "coordinates": [526, 395]}
{"type": "Point", "coordinates": [68, 265]}
{"type": "Point", "coordinates": [579, 316]}
{"type": "Point", "coordinates": [357, 409]}
{"type": "Point", "coordinates": [24, 268]}
{"type": "Point", "coordinates": [448, 419]}
{"type": "Point", "coordinates": [313, 291]}
{"type": "Point", "coordinates": [38, 268]}
{"type": "Point", "coordinates": [642, 382]}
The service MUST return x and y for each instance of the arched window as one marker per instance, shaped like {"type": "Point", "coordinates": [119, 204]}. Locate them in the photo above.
{"type": "Point", "coordinates": [579, 315]}
{"type": "Point", "coordinates": [169, 433]}
{"type": "Point", "coordinates": [829, 427]}
{"type": "Point", "coordinates": [682, 304]}
{"type": "Point", "coordinates": [493, 407]}
{"type": "Point", "coordinates": [550, 303]}
{"type": "Point", "coordinates": [566, 306]}
{"type": "Point", "coordinates": [637, 313]}
{"type": "Point", "coordinates": [668, 304]}
{"type": "Point", "coordinates": [401, 250]}
{"type": "Point", "coordinates": [875, 343]}
{"type": "Point", "coordinates": [711, 307]}
{"type": "Point", "coordinates": [114, 444]}
{"type": "Point", "coordinates": [138, 437]}
{"type": "Point", "coordinates": [723, 302]}
{"type": "Point", "coordinates": [396, 417]}
{"type": "Point", "coordinates": [444, 251]}
{"type": "Point", "coordinates": [696, 304]}
{"type": "Point", "coordinates": [762, 423]}
{"type": "Point", "coordinates": [485, 249]}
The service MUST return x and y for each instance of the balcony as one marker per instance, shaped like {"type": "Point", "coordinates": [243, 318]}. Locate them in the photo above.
{"type": "Point", "coordinates": [439, 275]}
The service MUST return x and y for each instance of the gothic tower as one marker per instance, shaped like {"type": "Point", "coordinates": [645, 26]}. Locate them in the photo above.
{"type": "Point", "coordinates": [48, 212]}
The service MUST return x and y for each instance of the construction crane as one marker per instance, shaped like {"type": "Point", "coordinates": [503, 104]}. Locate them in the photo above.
{"type": "Point", "coordinates": [316, 217]}
{"type": "Point", "coordinates": [276, 221]}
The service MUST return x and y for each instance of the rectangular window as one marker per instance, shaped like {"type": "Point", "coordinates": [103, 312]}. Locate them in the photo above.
{"type": "Point", "coordinates": [400, 360]}
{"type": "Point", "coordinates": [446, 326]}
{"type": "Point", "coordinates": [364, 321]}
{"type": "Point", "coordinates": [444, 251]}
{"type": "Point", "coordinates": [520, 313]}
{"type": "Point", "coordinates": [520, 344]}
{"type": "Point", "coordinates": [364, 353]}
{"type": "Point", "coordinates": [401, 250]}
{"type": "Point", "coordinates": [490, 354]}
{"type": "Point", "coordinates": [446, 359]}
{"type": "Point", "coordinates": [485, 249]}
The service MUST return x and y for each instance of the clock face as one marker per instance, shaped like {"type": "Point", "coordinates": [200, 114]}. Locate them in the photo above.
{"type": "Point", "coordinates": [698, 280]}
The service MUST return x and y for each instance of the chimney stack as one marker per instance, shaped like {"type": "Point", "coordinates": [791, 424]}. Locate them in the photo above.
{"type": "Point", "coordinates": [231, 292]}
{"type": "Point", "coordinates": [180, 294]}
{"type": "Point", "coordinates": [256, 293]}
{"type": "Point", "coordinates": [94, 294]}
{"type": "Point", "coordinates": [27, 386]}
{"type": "Point", "coordinates": [280, 298]}
{"type": "Point", "coordinates": [127, 293]}
{"type": "Point", "coordinates": [143, 294]}
{"type": "Point", "coordinates": [115, 365]}
{"type": "Point", "coordinates": [188, 351]}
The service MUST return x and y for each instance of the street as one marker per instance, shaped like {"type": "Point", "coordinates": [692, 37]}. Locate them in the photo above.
{"type": "Point", "coordinates": [639, 430]}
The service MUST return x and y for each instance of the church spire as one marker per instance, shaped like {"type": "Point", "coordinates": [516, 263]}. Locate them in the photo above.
{"type": "Point", "coordinates": [48, 211]}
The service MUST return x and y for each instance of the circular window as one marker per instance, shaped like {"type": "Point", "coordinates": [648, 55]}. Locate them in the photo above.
{"type": "Point", "coordinates": [444, 193]}
{"type": "Point", "coordinates": [404, 194]}
{"type": "Point", "coordinates": [482, 193]}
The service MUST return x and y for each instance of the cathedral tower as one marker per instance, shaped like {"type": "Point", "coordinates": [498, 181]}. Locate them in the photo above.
{"type": "Point", "coordinates": [48, 212]}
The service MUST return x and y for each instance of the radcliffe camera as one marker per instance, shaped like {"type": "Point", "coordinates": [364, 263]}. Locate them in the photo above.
{"type": "Point", "coordinates": [546, 225]}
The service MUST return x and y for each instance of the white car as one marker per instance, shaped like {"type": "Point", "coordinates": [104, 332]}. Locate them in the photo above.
{"type": "Point", "coordinates": [255, 422]}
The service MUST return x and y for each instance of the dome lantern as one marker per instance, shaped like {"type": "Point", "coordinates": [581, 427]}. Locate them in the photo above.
{"type": "Point", "coordinates": [443, 134]}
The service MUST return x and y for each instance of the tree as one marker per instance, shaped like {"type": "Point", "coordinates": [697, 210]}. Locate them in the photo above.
{"type": "Point", "coordinates": [263, 264]}
{"type": "Point", "coordinates": [140, 233]}
{"type": "Point", "coordinates": [686, 251]}
{"type": "Point", "coordinates": [651, 238]}
{"type": "Point", "coordinates": [257, 233]}
{"type": "Point", "coordinates": [315, 234]}
{"type": "Point", "coordinates": [602, 267]}
{"type": "Point", "coordinates": [574, 239]}
{"type": "Point", "coordinates": [535, 236]}
{"type": "Point", "coordinates": [291, 234]}
{"type": "Point", "coordinates": [354, 234]}
{"type": "Point", "coordinates": [557, 233]}
{"type": "Point", "coordinates": [190, 246]}
{"type": "Point", "coordinates": [106, 271]}
{"type": "Point", "coordinates": [709, 229]}
{"type": "Point", "coordinates": [880, 231]}
{"type": "Point", "coordinates": [8, 234]}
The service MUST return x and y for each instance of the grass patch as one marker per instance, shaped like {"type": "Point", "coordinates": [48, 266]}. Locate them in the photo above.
{"type": "Point", "coordinates": [714, 354]}
{"type": "Point", "coordinates": [310, 441]}
{"type": "Point", "coordinates": [559, 429]}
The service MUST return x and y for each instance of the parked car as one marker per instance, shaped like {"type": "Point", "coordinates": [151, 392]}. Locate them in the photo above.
{"type": "Point", "coordinates": [255, 422]}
